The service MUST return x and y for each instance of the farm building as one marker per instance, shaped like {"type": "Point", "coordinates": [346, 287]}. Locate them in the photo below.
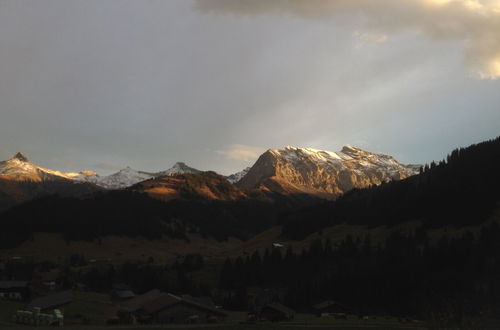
{"type": "Point", "coordinates": [156, 307]}
{"type": "Point", "coordinates": [14, 290]}
{"type": "Point", "coordinates": [329, 307]}
{"type": "Point", "coordinates": [169, 308]}
{"type": "Point", "coordinates": [122, 295]}
{"type": "Point", "coordinates": [207, 301]}
{"type": "Point", "coordinates": [130, 310]}
{"type": "Point", "coordinates": [52, 301]}
{"type": "Point", "coordinates": [276, 312]}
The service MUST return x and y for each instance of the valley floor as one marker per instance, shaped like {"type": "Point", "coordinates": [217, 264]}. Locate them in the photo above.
{"type": "Point", "coordinates": [53, 247]}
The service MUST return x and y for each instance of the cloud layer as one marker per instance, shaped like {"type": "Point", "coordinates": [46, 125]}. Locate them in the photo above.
{"type": "Point", "coordinates": [88, 84]}
{"type": "Point", "coordinates": [241, 152]}
{"type": "Point", "coordinates": [473, 23]}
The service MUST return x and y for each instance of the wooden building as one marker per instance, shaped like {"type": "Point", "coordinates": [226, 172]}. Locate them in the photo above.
{"type": "Point", "coordinates": [122, 295]}
{"type": "Point", "coordinates": [14, 290]}
{"type": "Point", "coordinates": [129, 311]}
{"type": "Point", "coordinates": [169, 308]}
{"type": "Point", "coordinates": [276, 312]}
{"type": "Point", "coordinates": [51, 301]}
{"type": "Point", "coordinates": [329, 307]}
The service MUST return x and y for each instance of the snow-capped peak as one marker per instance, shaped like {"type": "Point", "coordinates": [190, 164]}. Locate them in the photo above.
{"type": "Point", "coordinates": [20, 168]}
{"type": "Point", "coordinates": [128, 176]}
{"type": "Point", "coordinates": [179, 168]}
{"type": "Point", "coordinates": [322, 171]}
{"type": "Point", "coordinates": [233, 178]}
{"type": "Point", "coordinates": [125, 177]}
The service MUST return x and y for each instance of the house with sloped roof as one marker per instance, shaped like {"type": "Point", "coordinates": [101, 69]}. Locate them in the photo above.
{"type": "Point", "coordinates": [276, 312]}
{"type": "Point", "coordinates": [14, 290]}
{"type": "Point", "coordinates": [329, 307]}
{"type": "Point", "coordinates": [160, 307]}
{"type": "Point", "coordinates": [51, 301]}
{"type": "Point", "coordinates": [129, 310]}
{"type": "Point", "coordinates": [169, 308]}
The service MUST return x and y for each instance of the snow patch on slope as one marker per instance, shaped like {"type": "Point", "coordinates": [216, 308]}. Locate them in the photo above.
{"type": "Point", "coordinates": [121, 179]}
{"type": "Point", "coordinates": [20, 168]}
{"type": "Point", "coordinates": [292, 169]}
{"type": "Point", "coordinates": [179, 168]}
{"type": "Point", "coordinates": [233, 178]}
{"type": "Point", "coordinates": [128, 177]}
{"type": "Point", "coordinates": [349, 156]}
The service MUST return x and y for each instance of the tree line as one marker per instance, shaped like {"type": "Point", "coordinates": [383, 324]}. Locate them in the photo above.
{"type": "Point", "coordinates": [407, 275]}
{"type": "Point", "coordinates": [460, 190]}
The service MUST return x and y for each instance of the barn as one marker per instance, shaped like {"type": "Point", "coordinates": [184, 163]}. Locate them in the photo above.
{"type": "Point", "coordinates": [131, 309]}
{"type": "Point", "coordinates": [14, 290]}
{"type": "Point", "coordinates": [329, 307]}
{"type": "Point", "coordinates": [52, 301]}
{"type": "Point", "coordinates": [276, 312]}
{"type": "Point", "coordinates": [169, 308]}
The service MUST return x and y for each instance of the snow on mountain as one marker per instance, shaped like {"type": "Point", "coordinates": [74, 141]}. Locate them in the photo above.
{"type": "Point", "coordinates": [233, 178]}
{"type": "Point", "coordinates": [306, 170]}
{"type": "Point", "coordinates": [287, 170]}
{"type": "Point", "coordinates": [121, 179]}
{"type": "Point", "coordinates": [128, 177]}
{"type": "Point", "coordinates": [21, 169]}
{"type": "Point", "coordinates": [179, 168]}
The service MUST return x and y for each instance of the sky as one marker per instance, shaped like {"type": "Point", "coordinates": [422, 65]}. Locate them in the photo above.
{"type": "Point", "coordinates": [100, 85]}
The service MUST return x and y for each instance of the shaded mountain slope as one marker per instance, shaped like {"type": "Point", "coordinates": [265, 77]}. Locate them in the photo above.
{"type": "Point", "coordinates": [137, 212]}
{"type": "Point", "coordinates": [13, 192]}
{"type": "Point", "coordinates": [205, 185]}
{"type": "Point", "coordinates": [21, 181]}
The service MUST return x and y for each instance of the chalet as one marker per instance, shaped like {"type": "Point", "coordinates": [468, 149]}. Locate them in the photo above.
{"type": "Point", "coordinates": [14, 290]}
{"type": "Point", "coordinates": [329, 307]}
{"type": "Point", "coordinates": [51, 301]}
{"type": "Point", "coordinates": [122, 295]}
{"type": "Point", "coordinates": [207, 301]}
{"type": "Point", "coordinates": [169, 308]}
{"type": "Point", "coordinates": [276, 312]}
{"type": "Point", "coordinates": [129, 310]}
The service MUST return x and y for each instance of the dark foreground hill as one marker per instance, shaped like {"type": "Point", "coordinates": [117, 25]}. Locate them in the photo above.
{"type": "Point", "coordinates": [169, 206]}
{"type": "Point", "coordinates": [15, 192]}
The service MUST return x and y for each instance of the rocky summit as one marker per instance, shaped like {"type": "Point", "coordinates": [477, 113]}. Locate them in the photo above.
{"type": "Point", "coordinates": [293, 170]}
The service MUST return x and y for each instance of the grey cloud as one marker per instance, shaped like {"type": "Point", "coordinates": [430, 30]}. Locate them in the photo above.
{"type": "Point", "coordinates": [148, 83]}
{"type": "Point", "coordinates": [474, 23]}
{"type": "Point", "coordinates": [241, 152]}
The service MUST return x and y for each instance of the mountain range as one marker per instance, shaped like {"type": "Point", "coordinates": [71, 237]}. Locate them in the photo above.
{"type": "Point", "coordinates": [416, 238]}
{"type": "Point", "coordinates": [288, 171]}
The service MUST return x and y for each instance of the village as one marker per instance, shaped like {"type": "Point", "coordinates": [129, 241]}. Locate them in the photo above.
{"type": "Point", "coordinates": [152, 307]}
{"type": "Point", "coordinates": [44, 301]}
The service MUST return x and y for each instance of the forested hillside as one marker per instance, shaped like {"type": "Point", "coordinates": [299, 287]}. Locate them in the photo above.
{"type": "Point", "coordinates": [460, 190]}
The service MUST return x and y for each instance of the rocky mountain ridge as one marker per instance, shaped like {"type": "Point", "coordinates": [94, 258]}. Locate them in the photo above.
{"type": "Point", "coordinates": [294, 170]}
{"type": "Point", "coordinates": [21, 169]}
{"type": "Point", "coordinates": [290, 170]}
